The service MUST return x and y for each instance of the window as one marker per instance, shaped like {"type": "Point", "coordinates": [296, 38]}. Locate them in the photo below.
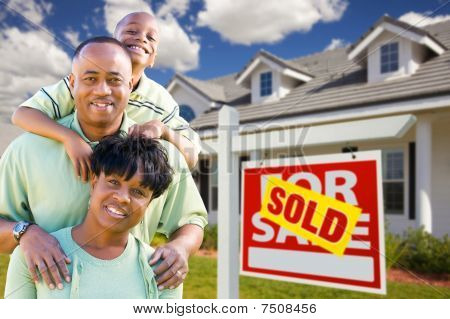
{"type": "Point", "coordinates": [187, 112]}
{"type": "Point", "coordinates": [213, 182]}
{"type": "Point", "coordinates": [389, 57]}
{"type": "Point", "coordinates": [265, 83]}
{"type": "Point", "coordinates": [393, 182]}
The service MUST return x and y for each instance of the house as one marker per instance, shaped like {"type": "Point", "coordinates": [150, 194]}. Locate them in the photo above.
{"type": "Point", "coordinates": [389, 91]}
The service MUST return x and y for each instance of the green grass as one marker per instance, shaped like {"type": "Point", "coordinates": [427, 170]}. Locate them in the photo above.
{"type": "Point", "coordinates": [201, 283]}
{"type": "Point", "coordinates": [4, 260]}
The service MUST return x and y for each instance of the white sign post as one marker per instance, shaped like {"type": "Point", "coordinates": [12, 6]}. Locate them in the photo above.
{"type": "Point", "coordinates": [228, 206]}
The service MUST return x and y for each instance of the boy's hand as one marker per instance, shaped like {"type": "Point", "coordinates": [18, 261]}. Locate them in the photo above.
{"type": "Point", "coordinates": [79, 153]}
{"type": "Point", "coordinates": [173, 268]}
{"type": "Point", "coordinates": [43, 252]}
{"type": "Point", "coordinates": [151, 129]}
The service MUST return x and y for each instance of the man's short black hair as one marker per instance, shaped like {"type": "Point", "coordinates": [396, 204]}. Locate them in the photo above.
{"type": "Point", "coordinates": [103, 39]}
{"type": "Point", "coordinates": [122, 155]}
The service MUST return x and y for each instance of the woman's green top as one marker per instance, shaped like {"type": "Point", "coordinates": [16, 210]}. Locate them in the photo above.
{"type": "Point", "coordinates": [129, 276]}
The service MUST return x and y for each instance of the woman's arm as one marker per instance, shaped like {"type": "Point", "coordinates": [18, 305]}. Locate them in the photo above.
{"type": "Point", "coordinates": [19, 284]}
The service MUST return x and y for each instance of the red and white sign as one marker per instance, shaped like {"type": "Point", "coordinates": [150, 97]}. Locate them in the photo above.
{"type": "Point", "coordinates": [271, 251]}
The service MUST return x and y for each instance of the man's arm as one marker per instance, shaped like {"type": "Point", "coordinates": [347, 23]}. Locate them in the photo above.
{"type": "Point", "coordinates": [37, 122]}
{"type": "Point", "coordinates": [7, 241]}
{"type": "Point", "coordinates": [175, 254]}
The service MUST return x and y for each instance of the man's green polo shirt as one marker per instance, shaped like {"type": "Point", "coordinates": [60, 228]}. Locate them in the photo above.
{"type": "Point", "coordinates": [38, 183]}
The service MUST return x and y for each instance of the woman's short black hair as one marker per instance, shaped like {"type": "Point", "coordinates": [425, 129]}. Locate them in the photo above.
{"type": "Point", "coordinates": [122, 155]}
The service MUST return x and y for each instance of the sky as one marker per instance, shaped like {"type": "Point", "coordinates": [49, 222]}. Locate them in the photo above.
{"type": "Point", "coordinates": [200, 38]}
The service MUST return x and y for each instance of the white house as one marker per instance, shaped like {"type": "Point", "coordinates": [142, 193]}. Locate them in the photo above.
{"type": "Point", "coordinates": [390, 91]}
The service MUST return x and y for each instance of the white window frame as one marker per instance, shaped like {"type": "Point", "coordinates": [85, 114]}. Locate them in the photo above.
{"type": "Point", "coordinates": [389, 62]}
{"type": "Point", "coordinates": [405, 149]}
{"type": "Point", "coordinates": [260, 83]}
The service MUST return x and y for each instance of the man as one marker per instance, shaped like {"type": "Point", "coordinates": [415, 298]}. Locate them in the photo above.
{"type": "Point", "coordinates": [38, 184]}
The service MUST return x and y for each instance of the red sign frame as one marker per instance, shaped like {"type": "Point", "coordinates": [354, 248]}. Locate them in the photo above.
{"type": "Point", "coordinates": [269, 251]}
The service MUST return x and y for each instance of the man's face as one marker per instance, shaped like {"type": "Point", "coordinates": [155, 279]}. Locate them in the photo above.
{"type": "Point", "coordinates": [139, 32]}
{"type": "Point", "coordinates": [101, 84]}
{"type": "Point", "coordinates": [118, 205]}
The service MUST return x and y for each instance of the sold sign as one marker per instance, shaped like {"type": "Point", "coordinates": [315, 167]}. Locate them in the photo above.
{"type": "Point", "coordinates": [325, 221]}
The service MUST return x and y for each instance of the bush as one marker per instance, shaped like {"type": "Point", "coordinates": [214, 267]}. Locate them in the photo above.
{"type": "Point", "coordinates": [395, 248]}
{"type": "Point", "coordinates": [425, 253]}
{"type": "Point", "coordinates": [210, 238]}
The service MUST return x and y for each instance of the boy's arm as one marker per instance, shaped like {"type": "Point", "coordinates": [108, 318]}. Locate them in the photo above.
{"type": "Point", "coordinates": [35, 121]}
{"type": "Point", "coordinates": [157, 129]}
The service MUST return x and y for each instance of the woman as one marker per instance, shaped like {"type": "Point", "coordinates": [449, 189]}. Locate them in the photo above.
{"type": "Point", "coordinates": [107, 261]}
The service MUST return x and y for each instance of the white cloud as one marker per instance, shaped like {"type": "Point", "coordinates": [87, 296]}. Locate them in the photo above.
{"type": "Point", "coordinates": [176, 7]}
{"type": "Point", "coordinates": [30, 60]}
{"type": "Point", "coordinates": [421, 20]}
{"type": "Point", "coordinates": [35, 11]}
{"type": "Point", "coordinates": [73, 37]}
{"type": "Point", "coordinates": [176, 50]}
{"type": "Point", "coordinates": [255, 21]}
{"type": "Point", "coordinates": [336, 43]}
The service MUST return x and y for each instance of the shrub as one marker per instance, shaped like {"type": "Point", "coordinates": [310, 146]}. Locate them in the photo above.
{"type": "Point", "coordinates": [425, 253]}
{"type": "Point", "coordinates": [210, 238]}
{"type": "Point", "coordinates": [395, 248]}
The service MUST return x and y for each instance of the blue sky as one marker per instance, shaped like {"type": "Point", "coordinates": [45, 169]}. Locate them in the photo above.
{"type": "Point", "coordinates": [201, 38]}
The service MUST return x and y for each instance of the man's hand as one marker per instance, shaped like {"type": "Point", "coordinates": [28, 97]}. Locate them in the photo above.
{"type": "Point", "coordinates": [150, 129]}
{"type": "Point", "coordinates": [173, 268]}
{"type": "Point", "coordinates": [79, 153]}
{"type": "Point", "coordinates": [42, 251]}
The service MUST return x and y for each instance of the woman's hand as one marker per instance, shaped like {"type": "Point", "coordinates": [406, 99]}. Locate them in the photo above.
{"type": "Point", "coordinates": [42, 251]}
{"type": "Point", "coordinates": [79, 153]}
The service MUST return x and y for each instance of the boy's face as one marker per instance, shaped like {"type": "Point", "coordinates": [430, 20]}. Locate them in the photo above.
{"type": "Point", "coordinates": [118, 205]}
{"type": "Point", "coordinates": [139, 33]}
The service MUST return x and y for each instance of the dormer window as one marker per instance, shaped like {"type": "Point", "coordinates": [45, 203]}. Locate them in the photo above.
{"type": "Point", "coordinates": [389, 57]}
{"type": "Point", "coordinates": [265, 84]}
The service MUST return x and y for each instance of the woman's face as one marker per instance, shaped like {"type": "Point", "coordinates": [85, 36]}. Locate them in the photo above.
{"type": "Point", "coordinates": [118, 205]}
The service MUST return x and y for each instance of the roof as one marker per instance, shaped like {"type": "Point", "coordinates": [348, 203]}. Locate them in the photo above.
{"type": "Point", "coordinates": [207, 89]}
{"type": "Point", "coordinates": [403, 25]}
{"type": "Point", "coordinates": [337, 84]}
{"type": "Point", "coordinates": [278, 61]}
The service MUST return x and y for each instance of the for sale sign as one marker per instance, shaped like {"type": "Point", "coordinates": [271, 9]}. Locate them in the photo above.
{"type": "Point", "coordinates": [315, 220]}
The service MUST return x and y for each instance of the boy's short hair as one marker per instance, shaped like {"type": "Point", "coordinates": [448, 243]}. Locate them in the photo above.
{"type": "Point", "coordinates": [122, 155]}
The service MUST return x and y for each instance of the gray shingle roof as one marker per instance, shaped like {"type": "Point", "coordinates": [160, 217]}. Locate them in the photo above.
{"type": "Point", "coordinates": [339, 83]}
{"type": "Point", "coordinates": [400, 24]}
{"type": "Point", "coordinates": [281, 62]}
{"type": "Point", "coordinates": [207, 89]}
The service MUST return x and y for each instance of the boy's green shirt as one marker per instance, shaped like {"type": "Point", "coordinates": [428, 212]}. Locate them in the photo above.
{"type": "Point", "coordinates": [150, 101]}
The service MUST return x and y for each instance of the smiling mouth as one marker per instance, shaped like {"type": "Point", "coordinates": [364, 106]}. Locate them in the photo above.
{"type": "Point", "coordinates": [114, 212]}
{"type": "Point", "coordinates": [101, 105]}
{"type": "Point", "coordinates": [136, 48]}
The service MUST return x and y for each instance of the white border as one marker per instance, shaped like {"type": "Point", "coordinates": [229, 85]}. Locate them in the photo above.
{"type": "Point", "coordinates": [323, 159]}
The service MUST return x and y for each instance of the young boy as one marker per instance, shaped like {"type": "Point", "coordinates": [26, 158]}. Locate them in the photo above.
{"type": "Point", "coordinates": [150, 105]}
{"type": "Point", "coordinates": [108, 261]}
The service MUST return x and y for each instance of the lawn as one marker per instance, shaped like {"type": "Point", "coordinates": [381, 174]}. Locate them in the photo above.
{"type": "Point", "coordinates": [201, 283]}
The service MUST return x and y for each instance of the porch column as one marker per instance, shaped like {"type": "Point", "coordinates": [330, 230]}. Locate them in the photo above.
{"type": "Point", "coordinates": [423, 171]}
{"type": "Point", "coordinates": [228, 206]}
